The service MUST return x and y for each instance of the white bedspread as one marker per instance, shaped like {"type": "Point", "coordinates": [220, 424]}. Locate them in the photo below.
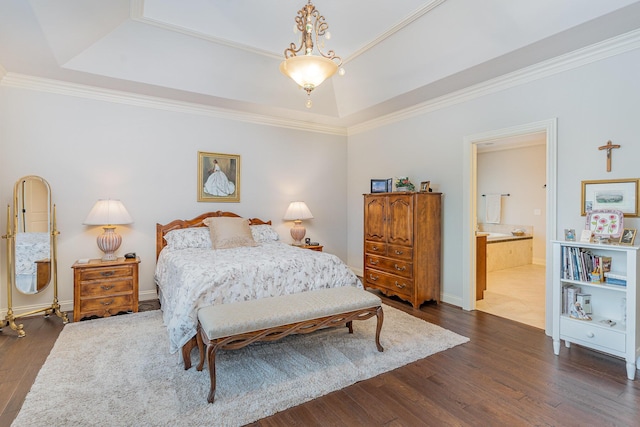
{"type": "Point", "coordinates": [190, 278]}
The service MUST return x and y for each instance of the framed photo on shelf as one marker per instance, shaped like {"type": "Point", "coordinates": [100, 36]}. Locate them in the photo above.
{"type": "Point", "coordinates": [218, 177]}
{"type": "Point", "coordinates": [424, 186]}
{"type": "Point", "coordinates": [619, 194]}
{"type": "Point", "coordinates": [628, 236]}
{"type": "Point", "coordinates": [570, 234]}
{"type": "Point", "coordinates": [382, 185]}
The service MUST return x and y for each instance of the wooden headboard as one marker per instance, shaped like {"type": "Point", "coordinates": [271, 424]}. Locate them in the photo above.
{"type": "Point", "coordinates": [177, 224]}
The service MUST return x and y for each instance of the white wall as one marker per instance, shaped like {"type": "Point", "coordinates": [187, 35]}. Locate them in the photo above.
{"type": "Point", "coordinates": [521, 173]}
{"type": "Point", "coordinates": [89, 149]}
{"type": "Point", "coordinates": [148, 158]}
{"type": "Point", "coordinates": [594, 103]}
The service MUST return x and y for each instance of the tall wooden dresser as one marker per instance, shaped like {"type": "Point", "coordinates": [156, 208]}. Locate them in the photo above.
{"type": "Point", "coordinates": [402, 245]}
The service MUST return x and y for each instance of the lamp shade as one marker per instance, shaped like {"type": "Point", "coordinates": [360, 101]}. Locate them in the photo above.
{"type": "Point", "coordinates": [297, 211]}
{"type": "Point", "coordinates": [108, 212]}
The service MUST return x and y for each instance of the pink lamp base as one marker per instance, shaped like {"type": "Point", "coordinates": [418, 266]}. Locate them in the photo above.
{"type": "Point", "coordinates": [109, 242]}
{"type": "Point", "coordinates": [297, 233]}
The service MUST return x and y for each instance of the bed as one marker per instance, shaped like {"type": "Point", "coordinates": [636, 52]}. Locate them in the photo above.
{"type": "Point", "coordinates": [191, 272]}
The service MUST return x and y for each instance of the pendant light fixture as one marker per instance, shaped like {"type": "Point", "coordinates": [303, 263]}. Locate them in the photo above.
{"type": "Point", "coordinates": [305, 68]}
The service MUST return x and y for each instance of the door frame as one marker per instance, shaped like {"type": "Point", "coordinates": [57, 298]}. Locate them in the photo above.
{"type": "Point", "coordinates": [470, 206]}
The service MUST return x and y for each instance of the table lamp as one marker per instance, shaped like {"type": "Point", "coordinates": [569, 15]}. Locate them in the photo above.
{"type": "Point", "coordinates": [108, 213]}
{"type": "Point", "coordinates": [297, 212]}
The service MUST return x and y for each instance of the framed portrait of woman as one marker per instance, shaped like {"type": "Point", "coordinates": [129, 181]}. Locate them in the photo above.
{"type": "Point", "coordinates": [218, 177]}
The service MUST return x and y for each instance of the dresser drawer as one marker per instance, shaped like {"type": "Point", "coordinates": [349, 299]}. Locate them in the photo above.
{"type": "Point", "coordinates": [375, 248]}
{"type": "Point", "coordinates": [592, 335]}
{"type": "Point", "coordinates": [396, 284]}
{"type": "Point", "coordinates": [106, 287]}
{"type": "Point", "coordinates": [107, 305]}
{"type": "Point", "coordinates": [389, 265]}
{"type": "Point", "coordinates": [400, 252]}
{"type": "Point", "coordinates": [110, 272]}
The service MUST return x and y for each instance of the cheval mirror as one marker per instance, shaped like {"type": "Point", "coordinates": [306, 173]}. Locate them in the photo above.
{"type": "Point", "coordinates": [31, 248]}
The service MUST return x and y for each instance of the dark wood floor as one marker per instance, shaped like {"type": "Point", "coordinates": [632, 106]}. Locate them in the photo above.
{"type": "Point", "coordinates": [507, 375]}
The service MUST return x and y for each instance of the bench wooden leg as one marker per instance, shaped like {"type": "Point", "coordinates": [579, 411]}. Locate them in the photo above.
{"type": "Point", "coordinates": [200, 342]}
{"type": "Point", "coordinates": [380, 317]}
{"type": "Point", "coordinates": [350, 326]}
{"type": "Point", "coordinates": [211, 357]}
{"type": "Point", "coordinates": [186, 352]}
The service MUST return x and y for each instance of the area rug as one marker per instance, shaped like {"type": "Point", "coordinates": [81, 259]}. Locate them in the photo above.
{"type": "Point", "coordinates": [118, 371]}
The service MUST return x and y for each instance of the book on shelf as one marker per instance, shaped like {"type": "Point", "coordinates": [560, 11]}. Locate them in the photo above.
{"type": "Point", "coordinates": [617, 279]}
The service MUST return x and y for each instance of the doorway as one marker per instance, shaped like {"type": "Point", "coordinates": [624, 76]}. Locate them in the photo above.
{"type": "Point", "coordinates": [470, 209]}
{"type": "Point", "coordinates": [512, 172]}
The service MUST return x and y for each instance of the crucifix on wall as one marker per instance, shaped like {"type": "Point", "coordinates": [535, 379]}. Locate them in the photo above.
{"type": "Point", "coordinates": [609, 146]}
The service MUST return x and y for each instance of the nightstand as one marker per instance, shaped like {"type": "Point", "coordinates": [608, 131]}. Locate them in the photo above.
{"type": "Point", "coordinates": [312, 247]}
{"type": "Point", "coordinates": [105, 288]}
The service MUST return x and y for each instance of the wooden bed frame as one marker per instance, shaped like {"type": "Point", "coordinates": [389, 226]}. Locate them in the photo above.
{"type": "Point", "coordinates": [162, 230]}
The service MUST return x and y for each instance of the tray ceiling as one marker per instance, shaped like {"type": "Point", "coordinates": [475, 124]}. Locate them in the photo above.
{"type": "Point", "coordinates": [225, 53]}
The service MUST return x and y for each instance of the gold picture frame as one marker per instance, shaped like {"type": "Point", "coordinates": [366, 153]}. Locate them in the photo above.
{"type": "Point", "coordinates": [218, 177]}
{"type": "Point", "coordinates": [627, 237]}
{"type": "Point", "coordinates": [619, 194]}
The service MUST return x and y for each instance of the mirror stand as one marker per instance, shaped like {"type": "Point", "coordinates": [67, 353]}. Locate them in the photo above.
{"type": "Point", "coordinates": [54, 308]}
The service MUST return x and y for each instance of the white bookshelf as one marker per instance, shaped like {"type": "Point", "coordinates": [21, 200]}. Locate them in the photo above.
{"type": "Point", "coordinates": [607, 301]}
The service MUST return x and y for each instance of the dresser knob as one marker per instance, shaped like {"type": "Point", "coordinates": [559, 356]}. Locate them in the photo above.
{"type": "Point", "coordinates": [374, 248]}
{"type": "Point", "coordinates": [107, 273]}
{"type": "Point", "coordinates": [399, 252]}
{"type": "Point", "coordinates": [372, 277]}
{"type": "Point", "coordinates": [105, 303]}
{"type": "Point", "coordinates": [401, 286]}
{"type": "Point", "coordinates": [403, 268]}
{"type": "Point", "coordinates": [106, 287]}
{"type": "Point", "coordinates": [371, 261]}
{"type": "Point", "coordinates": [590, 335]}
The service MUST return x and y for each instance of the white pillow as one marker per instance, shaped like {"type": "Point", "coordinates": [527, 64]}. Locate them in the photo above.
{"type": "Point", "coordinates": [264, 233]}
{"type": "Point", "coordinates": [229, 232]}
{"type": "Point", "coordinates": [197, 237]}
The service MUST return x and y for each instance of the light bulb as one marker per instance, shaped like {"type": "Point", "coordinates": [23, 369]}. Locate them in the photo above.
{"type": "Point", "coordinates": [327, 35]}
{"type": "Point", "coordinates": [341, 71]}
{"type": "Point", "coordinates": [309, 103]}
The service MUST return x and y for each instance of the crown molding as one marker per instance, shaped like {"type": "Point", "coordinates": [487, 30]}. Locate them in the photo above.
{"type": "Point", "coordinates": [423, 10]}
{"type": "Point", "coordinates": [137, 14]}
{"type": "Point", "coordinates": [578, 58]}
{"type": "Point", "coordinates": [40, 84]}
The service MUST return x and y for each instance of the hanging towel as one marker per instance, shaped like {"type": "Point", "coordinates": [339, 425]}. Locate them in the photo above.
{"type": "Point", "coordinates": [492, 215]}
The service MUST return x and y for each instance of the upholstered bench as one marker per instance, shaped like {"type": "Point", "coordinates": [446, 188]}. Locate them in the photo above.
{"type": "Point", "coordinates": [236, 325]}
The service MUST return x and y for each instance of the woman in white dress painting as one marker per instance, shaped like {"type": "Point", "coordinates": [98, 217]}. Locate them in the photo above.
{"type": "Point", "coordinates": [218, 184]}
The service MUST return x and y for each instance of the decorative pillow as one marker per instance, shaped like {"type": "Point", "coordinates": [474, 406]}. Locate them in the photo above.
{"type": "Point", "coordinates": [229, 232]}
{"type": "Point", "coordinates": [197, 237]}
{"type": "Point", "coordinates": [264, 233]}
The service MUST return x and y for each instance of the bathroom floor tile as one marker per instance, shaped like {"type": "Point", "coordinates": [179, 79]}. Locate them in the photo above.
{"type": "Point", "coordinates": [516, 293]}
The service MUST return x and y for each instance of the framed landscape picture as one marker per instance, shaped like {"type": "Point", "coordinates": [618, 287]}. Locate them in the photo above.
{"type": "Point", "coordinates": [619, 194]}
{"type": "Point", "coordinates": [218, 177]}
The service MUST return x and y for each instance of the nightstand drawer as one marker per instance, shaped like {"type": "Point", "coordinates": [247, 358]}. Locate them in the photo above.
{"type": "Point", "coordinates": [106, 287]}
{"type": "Point", "coordinates": [102, 273]}
{"type": "Point", "coordinates": [106, 305]}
